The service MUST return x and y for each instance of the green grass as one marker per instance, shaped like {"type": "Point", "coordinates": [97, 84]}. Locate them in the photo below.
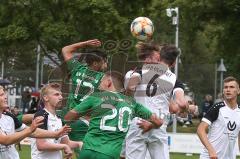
{"type": "Point", "coordinates": [189, 129]}
{"type": "Point", "coordinates": [26, 154]}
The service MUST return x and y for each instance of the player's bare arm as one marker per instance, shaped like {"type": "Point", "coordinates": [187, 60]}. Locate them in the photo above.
{"type": "Point", "coordinates": [71, 115]}
{"type": "Point", "coordinates": [44, 145]}
{"type": "Point", "coordinates": [239, 140]}
{"type": "Point", "coordinates": [68, 51]}
{"type": "Point", "coordinates": [40, 133]}
{"type": "Point", "coordinates": [72, 144]}
{"type": "Point", "coordinates": [132, 84]}
{"type": "Point", "coordinates": [153, 123]}
{"type": "Point", "coordinates": [180, 99]}
{"type": "Point", "coordinates": [173, 107]}
{"type": "Point", "coordinates": [27, 118]}
{"type": "Point", "coordinates": [202, 133]}
{"type": "Point", "coordinates": [18, 136]}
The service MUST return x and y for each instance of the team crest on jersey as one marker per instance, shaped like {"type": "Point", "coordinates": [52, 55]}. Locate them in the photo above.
{"type": "Point", "coordinates": [231, 126]}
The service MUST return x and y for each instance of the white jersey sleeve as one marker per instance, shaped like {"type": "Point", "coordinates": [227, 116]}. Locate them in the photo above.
{"type": "Point", "coordinates": [130, 74]}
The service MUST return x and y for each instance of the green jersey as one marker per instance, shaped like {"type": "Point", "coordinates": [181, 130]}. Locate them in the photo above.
{"type": "Point", "coordinates": [111, 114]}
{"type": "Point", "coordinates": [84, 82]}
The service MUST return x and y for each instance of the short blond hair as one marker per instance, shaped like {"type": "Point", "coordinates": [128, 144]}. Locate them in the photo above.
{"type": "Point", "coordinates": [2, 88]}
{"type": "Point", "coordinates": [45, 89]}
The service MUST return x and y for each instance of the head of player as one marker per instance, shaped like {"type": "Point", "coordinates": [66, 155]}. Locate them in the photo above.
{"type": "Point", "coordinates": [112, 81]}
{"type": "Point", "coordinates": [231, 89]}
{"type": "Point", "coordinates": [96, 60]}
{"type": "Point", "coordinates": [51, 96]}
{"type": "Point", "coordinates": [148, 53]}
{"type": "Point", "coordinates": [168, 55]}
{"type": "Point", "coordinates": [3, 99]}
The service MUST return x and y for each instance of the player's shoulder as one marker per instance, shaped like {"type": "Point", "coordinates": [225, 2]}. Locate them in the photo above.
{"type": "Point", "coordinates": [171, 75]}
{"type": "Point", "coordinates": [74, 65]}
{"type": "Point", "coordinates": [137, 71]}
{"type": "Point", "coordinates": [218, 105]}
{"type": "Point", "coordinates": [41, 112]}
{"type": "Point", "coordinates": [8, 115]}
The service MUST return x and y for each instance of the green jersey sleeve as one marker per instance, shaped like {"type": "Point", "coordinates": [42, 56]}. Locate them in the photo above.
{"type": "Point", "coordinates": [141, 111]}
{"type": "Point", "coordinates": [87, 105]}
{"type": "Point", "coordinates": [72, 64]}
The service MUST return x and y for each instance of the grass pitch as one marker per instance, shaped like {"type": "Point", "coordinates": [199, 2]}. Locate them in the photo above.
{"type": "Point", "coordinates": [25, 153]}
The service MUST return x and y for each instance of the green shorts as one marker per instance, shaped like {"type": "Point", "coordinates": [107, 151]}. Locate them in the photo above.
{"type": "Point", "coordinates": [90, 154]}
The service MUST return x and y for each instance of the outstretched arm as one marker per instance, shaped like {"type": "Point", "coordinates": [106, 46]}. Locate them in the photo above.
{"type": "Point", "coordinates": [153, 123]}
{"type": "Point", "coordinates": [68, 51]}
{"type": "Point", "coordinates": [41, 133]}
{"type": "Point", "coordinates": [44, 145]}
{"type": "Point", "coordinates": [71, 115]}
{"type": "Point", "coordinates": [72, 144]}
{"type": "Point", "coordinates": [202, 134]}
{"type": "Point", "coordinates": [18, 136]}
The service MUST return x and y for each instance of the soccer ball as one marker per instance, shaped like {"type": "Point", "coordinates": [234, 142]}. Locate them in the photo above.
{"type": "Point", "coordinates": [142, 28]}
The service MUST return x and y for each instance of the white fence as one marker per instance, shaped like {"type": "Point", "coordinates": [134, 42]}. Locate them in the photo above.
{"type": "Point", "coordinates": [188, 143]}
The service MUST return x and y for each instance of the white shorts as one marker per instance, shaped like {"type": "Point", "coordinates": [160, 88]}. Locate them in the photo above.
{"type": "Point", "coordinates": [155, 141]}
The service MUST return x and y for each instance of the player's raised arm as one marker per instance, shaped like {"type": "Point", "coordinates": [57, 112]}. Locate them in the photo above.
{"type": "Point", "coordinates": [71, 115]}
{"type": "Point", "coordinates": [68, 51]}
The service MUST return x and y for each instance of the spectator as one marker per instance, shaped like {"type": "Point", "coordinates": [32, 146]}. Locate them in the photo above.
{"type": "Point", "coordinates": [26, 98]}
{"type": "Point", "coordinates": [219, 98]}
{"type": "Point", "coordinates": [33, 106]}
{"type": "Point", "coordinates": [17, 112]}
{"type": "Point", "coordinates": [207, 103]}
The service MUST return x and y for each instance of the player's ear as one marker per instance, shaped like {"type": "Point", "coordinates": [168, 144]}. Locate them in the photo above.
{"type": "Point", "coordinates": [45, 98]}
{"type": "Point", "coordinates": [147, 60]}
{"type": "Point", "coordinates": [173, 64]}
{"type": "Point", "coordinates": [109, 82]}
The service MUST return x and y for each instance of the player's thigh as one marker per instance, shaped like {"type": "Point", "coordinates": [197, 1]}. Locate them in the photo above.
{"type": "Point", "coordinates": [136, 144]}
{"type": "Point", "coordinates": [158, 149]}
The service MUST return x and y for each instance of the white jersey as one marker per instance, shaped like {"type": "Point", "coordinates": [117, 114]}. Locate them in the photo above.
{"type": "Point", "coordinates": [224, 128]}
{"type": "Point", "coordinates": [8, 126]}
{"type": "Point", "coordinates": [52, 123]}
{"type": "Point", "coordinates": [155, 88]}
